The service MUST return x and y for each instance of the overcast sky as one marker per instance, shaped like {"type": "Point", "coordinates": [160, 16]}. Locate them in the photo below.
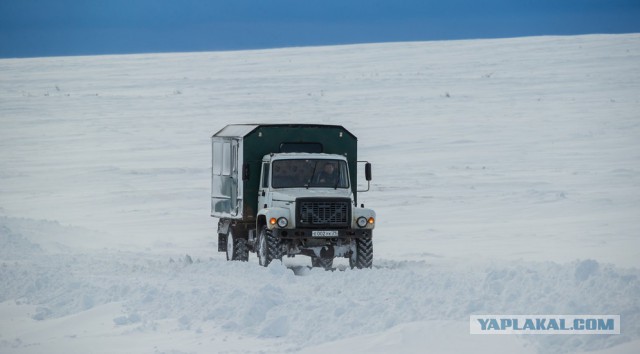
{"type": "Point", "coordinates": [77, 27]}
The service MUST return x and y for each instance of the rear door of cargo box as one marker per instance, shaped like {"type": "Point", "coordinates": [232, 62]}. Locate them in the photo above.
{"type": "Point", "coordinates": [224, 177]}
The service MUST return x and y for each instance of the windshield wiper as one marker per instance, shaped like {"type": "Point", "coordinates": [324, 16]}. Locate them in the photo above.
{"type": "Point", "coordinates": [312, 174]}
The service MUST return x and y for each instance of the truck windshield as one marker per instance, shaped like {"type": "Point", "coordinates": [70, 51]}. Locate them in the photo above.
{"type": "Point", "coordinates": [309, 173]}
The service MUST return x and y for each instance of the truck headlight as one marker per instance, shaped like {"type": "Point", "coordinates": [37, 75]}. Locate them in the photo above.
{"type": "Point", "coordinates": [361, 222]}
{"type": "Point", "coordinates": [283, 222]}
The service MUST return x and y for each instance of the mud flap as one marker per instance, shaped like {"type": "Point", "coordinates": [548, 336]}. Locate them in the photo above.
{"type": "Point", "coordinates": [223, 230]}
{"type": "Point", "coordinates": [222, 243]}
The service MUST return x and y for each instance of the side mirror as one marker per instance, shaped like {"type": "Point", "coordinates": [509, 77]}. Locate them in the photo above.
{"type": "Point", "coordinates": [245, 172]}
{"type": "Point", "coordinates": [367, 175]}
{"type": "Point", "coordinates": [367, 171]}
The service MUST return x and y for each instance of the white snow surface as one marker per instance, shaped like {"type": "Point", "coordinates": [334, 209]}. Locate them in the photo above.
{"type": "Point", "coordinates": [506, 181]}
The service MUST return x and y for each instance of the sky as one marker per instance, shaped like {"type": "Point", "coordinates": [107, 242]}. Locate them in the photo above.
{"type": "Point", "coordinates": [35, 28]}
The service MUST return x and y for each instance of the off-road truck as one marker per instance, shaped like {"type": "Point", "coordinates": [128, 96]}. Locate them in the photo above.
{"type": "Point", "coordinates": [290, 189]}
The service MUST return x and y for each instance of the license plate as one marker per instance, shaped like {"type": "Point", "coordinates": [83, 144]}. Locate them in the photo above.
{"type": "Point", "coordinates": [324, 233]}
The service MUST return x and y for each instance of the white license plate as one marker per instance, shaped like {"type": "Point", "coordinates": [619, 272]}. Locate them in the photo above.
{"type": "Point", "coordinates": [324, 233]}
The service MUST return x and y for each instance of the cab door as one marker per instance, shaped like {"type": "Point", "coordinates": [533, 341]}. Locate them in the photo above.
{"type": "Point", "coordinates": [264, 197]}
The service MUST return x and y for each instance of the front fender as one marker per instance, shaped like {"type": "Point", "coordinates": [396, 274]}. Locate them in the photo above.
{"type": "Point", "coordinates": [363, 212]}
{"type": "Point", "coordinates": [276, 213]}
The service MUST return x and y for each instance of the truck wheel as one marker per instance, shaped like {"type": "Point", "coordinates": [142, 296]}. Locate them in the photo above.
{"type": "Point", "coordinates": [269, 247]}
{"type": "Point", "coordinates": [363, 255]}
{"type": "Point", "coordinates": [326, 263]}
{"type": "Point", "coordinates": [236, 248]}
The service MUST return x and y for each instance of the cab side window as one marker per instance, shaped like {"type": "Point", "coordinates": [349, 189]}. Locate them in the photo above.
{"type": "Point", "coordinates": [265, 175]}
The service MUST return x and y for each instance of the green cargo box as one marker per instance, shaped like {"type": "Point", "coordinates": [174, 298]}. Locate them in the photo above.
{"type": "Point", "coordinates": [238, 149]}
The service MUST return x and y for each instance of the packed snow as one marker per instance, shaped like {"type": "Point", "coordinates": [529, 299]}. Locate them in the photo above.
{"type": "Point", "coordinates": [506, 181]}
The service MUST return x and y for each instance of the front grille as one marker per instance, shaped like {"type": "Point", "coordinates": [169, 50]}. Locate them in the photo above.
{"type": "Point", "coordinates": [323, 213]}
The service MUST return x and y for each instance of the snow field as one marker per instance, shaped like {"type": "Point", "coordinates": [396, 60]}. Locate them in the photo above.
{"type": "Point", "coordinates": [505, 182]}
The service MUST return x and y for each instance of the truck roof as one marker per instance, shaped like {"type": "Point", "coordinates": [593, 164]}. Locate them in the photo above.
{"type": "Point", "coordinates": [311, 156]}
{"type": "Point", "coordinates": [241, 130]}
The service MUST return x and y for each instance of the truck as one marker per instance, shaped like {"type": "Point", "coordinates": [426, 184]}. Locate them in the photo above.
{"type": "Point", "coordinates": [282, 190]}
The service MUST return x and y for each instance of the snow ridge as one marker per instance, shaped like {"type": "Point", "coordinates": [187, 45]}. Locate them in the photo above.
{"type": "Point", "coordinates": [302, 311]}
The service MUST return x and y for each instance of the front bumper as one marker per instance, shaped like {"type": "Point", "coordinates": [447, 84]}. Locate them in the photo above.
{"type": "Point", "coordinates": [301, 241]}
{"type": "Point", "coordinates": [293, 234]}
